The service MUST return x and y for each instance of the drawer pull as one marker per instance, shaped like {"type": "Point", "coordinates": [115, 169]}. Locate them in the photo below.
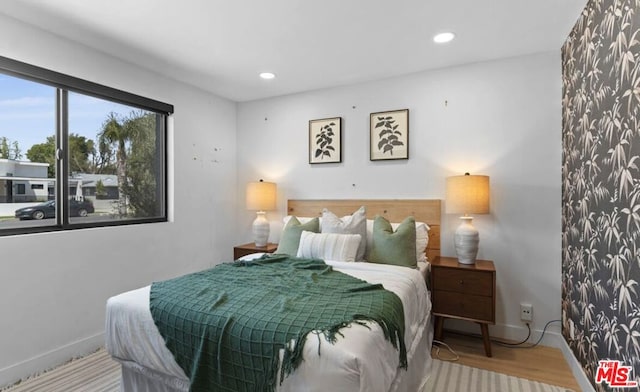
{"type": "Point", "coordinates": [461, 282]}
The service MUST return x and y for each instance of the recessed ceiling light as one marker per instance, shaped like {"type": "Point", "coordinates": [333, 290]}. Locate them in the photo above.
{"type": "Point", "coordinates": [267, 75]}
{"type": "Point", "coordinates": [443, 37]}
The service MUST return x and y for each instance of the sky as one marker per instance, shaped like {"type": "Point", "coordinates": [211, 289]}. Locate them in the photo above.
{"type": "Point", "coordinates": [27, 112]}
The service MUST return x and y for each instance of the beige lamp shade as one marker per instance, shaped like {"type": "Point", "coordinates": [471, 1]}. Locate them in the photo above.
{"type": "Point", "coordinates": [261, 196]}
{"type": "Point", "coordinates": [467, 194]}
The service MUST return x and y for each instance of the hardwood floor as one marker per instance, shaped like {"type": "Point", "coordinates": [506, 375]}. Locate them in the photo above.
{"type": "Point", "coordinates": [544, 364]}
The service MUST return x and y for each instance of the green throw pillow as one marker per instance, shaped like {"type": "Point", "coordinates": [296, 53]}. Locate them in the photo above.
{"type": "Point", "coordinates": [290, 239]}
{"type": "Point", "coordinates": [397, 248]}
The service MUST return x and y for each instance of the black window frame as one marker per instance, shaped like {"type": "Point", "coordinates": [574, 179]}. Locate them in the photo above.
{"type": "Point", "coordinates": [64, 84]}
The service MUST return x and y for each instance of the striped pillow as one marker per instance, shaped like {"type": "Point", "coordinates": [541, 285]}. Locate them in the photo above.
{"type": "Point", "coordinates": [350, 224]}
{"type": "Point", "coordinates": [329, 246]}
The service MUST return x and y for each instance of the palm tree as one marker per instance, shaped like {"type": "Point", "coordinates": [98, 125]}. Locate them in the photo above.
{"type": "Point", "coordinates": [142, 167]}
{"type": "Point", "coordinates": [114, 133]}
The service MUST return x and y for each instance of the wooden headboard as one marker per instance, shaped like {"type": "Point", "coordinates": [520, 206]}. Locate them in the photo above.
{"type": "Point", "coordinates": [423, 210]}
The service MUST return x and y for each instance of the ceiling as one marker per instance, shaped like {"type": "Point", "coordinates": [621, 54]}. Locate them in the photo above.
{"type": "Point", "coordinates": [222, 45]}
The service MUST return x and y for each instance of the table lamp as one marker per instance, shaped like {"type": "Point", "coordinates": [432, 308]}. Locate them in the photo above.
{"type": "Point", "coordinates": [467, 194]}
{"type": "Point", "coordinates": [261, 197]}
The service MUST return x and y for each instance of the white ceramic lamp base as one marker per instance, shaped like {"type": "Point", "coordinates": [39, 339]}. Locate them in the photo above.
{"type": "Point", "coordinates": [261, 229]}
{"type": "Point", "coordinates": [466, 240]}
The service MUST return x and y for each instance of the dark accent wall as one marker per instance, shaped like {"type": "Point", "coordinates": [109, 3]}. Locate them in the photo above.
{"type": "Point", "coordinates": [601, 186]}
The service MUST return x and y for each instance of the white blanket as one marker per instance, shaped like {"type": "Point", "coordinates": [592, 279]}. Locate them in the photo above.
{"type": "Point", "coordinates": [361, 361]}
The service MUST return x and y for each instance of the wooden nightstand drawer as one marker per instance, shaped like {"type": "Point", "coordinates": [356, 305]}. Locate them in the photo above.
{"type": "Point", "coordinates": [463, 281]}
{"type": "Point", "coordinates": [247, 249]}
{"type": "Point", "coordinates": [463, 305]}
{"type": "Point", "coordinates": [464, 291]}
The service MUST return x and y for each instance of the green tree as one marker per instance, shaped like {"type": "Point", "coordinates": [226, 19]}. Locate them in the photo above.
{"type": "Point", "coordinates": [116, 135]}
{"type": "Point", "coordinates": [80, 150]}
{"type": "Point", "coordinates": [4, 148]}
{"type": "Point", "coordinates": [17, 152]}
{"type": "Point", "coordinates": [134, 140]}
{"type": "Point", "coordinates": [142, 170]}
{"type": "Point", "coordinates": [103, 160]}
{"type": "Point", "coordinates": [45, 153]}
{"type": "Point", "coordinates": [128, 135]}
{"type": "Point", "coordinates": [9, 150]}
{"type": "Point", "coordinates": [100, 189]}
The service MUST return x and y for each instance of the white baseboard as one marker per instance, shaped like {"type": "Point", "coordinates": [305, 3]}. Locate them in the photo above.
{"type": "Point", "coordinates": [576, 368]}
{"type": "Point", "coordinates": [552, 338]}
{"type": "Point", "coordinates": [50, 359]}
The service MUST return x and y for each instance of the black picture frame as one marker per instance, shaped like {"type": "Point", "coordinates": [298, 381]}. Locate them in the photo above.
{"type": "Point", "coordinates": [325, 140]}
{"type": "Point", "coordinates": [389, 135]}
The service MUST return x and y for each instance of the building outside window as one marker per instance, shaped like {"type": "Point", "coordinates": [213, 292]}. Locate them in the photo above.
{"type": "Point", "coordinates": [70, 140]}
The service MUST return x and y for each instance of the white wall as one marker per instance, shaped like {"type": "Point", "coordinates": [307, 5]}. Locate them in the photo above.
{"type": "Point", "coordinates": [53, 287]}
{"type": "Point", "coordinates": [499, 118]}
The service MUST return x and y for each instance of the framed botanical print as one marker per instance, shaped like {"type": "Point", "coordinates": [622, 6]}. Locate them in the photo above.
{"type": "Point", "coordinates": [325, 140]}
{"type": "Point", "coordinates": [389, 135]}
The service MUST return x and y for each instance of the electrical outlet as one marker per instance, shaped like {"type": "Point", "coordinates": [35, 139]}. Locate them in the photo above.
{"type": "Point", "coordinates": [526, 312]}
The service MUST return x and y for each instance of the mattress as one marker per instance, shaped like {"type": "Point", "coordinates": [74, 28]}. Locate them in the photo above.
{"type": "Point", "coordinates": [362, 360]}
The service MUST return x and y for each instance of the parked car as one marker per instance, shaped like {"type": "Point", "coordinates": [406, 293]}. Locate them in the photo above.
{"type": "Point", "coordinates": [47, 210]}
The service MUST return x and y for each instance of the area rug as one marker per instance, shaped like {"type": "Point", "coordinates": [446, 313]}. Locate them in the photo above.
{"type": "Point", "coordinates": [99, 373]}
{"type": "Point", "coordinates": [452, 377]}
{"type": "Point", "coordinates": [96, 372]}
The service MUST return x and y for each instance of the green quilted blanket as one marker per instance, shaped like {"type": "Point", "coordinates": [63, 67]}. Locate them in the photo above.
{"type": "Point", "coordinates": [225, 325]}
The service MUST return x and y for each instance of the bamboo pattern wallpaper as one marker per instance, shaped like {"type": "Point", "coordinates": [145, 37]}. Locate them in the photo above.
{"type": "Point", "coordinates": [601, 186]}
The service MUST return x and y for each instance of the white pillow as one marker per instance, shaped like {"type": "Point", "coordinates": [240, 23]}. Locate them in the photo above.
{"type": "Point", "coordinates": [350, 224]}
{"type": "Point", "coordinates": [252, 256]}
{"type": "Point", "coordinates": [328, 246]}
{"type": "Point", "coordinates": [422, 238]}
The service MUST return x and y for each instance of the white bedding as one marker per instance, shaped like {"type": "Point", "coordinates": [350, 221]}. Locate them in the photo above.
{"type": "Point", "coordinates": [361, 361]}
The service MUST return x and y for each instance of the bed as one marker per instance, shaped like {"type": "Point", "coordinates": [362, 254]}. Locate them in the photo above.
{"type": "Point", "coordinates": [361, 360]}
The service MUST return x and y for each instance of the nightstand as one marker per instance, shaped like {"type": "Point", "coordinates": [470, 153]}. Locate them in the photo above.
{"type": "Point", "coordinates": [247, 249]}
{"type": "Point", "coordinates": [465, 292]}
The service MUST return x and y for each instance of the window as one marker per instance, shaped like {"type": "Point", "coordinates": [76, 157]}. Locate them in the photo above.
{"type": "Point", "coordinates": [77, 154]}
